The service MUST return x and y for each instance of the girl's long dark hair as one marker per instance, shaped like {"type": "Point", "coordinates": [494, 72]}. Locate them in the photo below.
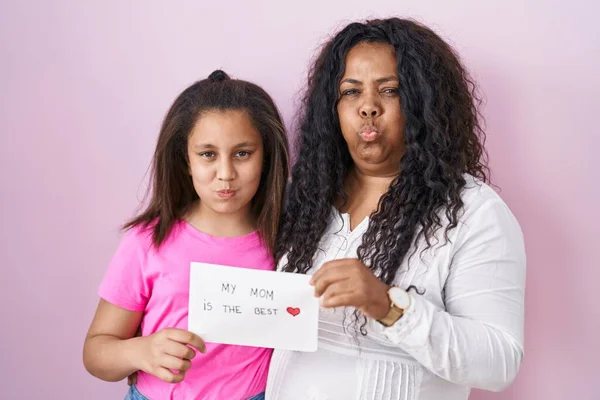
{"type": "Point", "coordinates": [443, 136]}
{"type": "Point", "coordinates": [172, 191]}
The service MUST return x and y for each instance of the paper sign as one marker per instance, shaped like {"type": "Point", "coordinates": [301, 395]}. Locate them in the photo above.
{"type": "Point", "coordinates": [250, 307]}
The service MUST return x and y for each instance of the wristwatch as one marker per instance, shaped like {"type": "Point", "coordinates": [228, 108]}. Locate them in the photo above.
{"type": "Point", "coordinates": [400, 300]}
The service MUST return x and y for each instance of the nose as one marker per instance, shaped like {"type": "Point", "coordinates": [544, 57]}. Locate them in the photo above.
{"type": "Point", "coordinates": [225, 170]}
{"type": "Point", "coordinates": [371, 107]}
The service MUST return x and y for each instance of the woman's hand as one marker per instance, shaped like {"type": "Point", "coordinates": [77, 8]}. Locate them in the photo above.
{"type": "Point", "coordinates": [348, 282]}
{"type": "Point", "coordinates": [166, 354]}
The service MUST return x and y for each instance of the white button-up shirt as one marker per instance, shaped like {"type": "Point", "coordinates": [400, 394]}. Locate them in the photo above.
{"type": "Point", "coordinates": [465, 331]}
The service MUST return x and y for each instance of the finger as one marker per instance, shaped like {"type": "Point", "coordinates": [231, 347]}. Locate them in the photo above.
{"type": "Point", "coordinates": [187, 337]}
{"type": "Point", "coordinates": [328, 278]}
{"type": "Point", "coordinates": [175, 364]}
{"type": "Point", "coordinates": [179, 350]}
{"type": "Point", "coordinates": [169, 376]}
{"type": "Point", "coordinates": [348, 299]}
{"type": "Point", "coordinates": [338, 288]}
{"type": "Point", "coordinates": [339, 261]}
{"type": "Point", "coordinates": [326, 268]}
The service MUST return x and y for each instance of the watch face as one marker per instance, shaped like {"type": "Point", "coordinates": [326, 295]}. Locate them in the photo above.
{"type": "Point", "coordinates": [399, 297]}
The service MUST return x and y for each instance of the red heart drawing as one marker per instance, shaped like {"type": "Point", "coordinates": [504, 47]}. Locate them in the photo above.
{"type": "Point", "coordinates": [293, 311]}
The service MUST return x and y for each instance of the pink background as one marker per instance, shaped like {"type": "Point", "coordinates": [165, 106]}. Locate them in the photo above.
{"type": "Point", "coordinates": [84, 88]}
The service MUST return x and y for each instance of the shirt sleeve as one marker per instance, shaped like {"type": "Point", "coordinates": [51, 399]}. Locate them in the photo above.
{"type": "Point", "coordinates": [477, 340]}
{"type": "Point", "coordinates": [124, 283]}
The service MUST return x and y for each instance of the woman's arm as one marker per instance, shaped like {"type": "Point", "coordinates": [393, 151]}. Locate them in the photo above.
{"type": "Point", "coordinates": [477, 340]}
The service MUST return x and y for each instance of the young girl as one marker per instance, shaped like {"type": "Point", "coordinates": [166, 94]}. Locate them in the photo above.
{"type": "Point", "coordinates": [219, 174]}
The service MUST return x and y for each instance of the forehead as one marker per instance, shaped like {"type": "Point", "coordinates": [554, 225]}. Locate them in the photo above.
{"type": "Point", "coordinates": [224, 128]}
{"type": "Point", "coordinates": [371, 60]}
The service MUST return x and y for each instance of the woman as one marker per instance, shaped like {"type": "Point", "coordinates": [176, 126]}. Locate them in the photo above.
{"type": "Point", "coordinates": [419, 264]}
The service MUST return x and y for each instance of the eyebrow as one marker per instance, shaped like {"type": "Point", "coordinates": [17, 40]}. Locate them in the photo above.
{"type": "Point", "coordinates": [204, 146]}
{"type": "Point", "coordinates": [245, 144]}
{"type": "Point", "coordinates": [380, 80]}
{"type": "Point", "coordinates": [208, 146]}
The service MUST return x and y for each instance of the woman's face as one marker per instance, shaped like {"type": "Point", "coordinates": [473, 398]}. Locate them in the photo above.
{"type": "Point", "coordinates": [369, 109]}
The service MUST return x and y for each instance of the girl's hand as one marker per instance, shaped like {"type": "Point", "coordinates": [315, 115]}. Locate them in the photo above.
{"type": "Point", "coordinates": [348, 282]}
{"type": "Point", "coordinates": [166, 354]}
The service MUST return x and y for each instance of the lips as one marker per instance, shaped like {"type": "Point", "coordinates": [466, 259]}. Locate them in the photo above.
{"type": "Point", "coordinates": [226, 193]}
{"type": "Point", "coordinates": [369, 133]}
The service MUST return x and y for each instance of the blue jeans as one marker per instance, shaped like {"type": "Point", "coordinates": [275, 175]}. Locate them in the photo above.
{"type": "Point", "coordinates": [260, 396]}
{"type": "Point", "coordinates": [134, 394]}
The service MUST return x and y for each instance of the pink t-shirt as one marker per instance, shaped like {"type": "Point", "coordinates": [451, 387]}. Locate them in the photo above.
{"type": "Point", "coordinates": [142, 278]}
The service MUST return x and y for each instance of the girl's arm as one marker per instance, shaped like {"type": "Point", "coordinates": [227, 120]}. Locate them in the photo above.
{"type": "Point", "coordinates": [110, 351]}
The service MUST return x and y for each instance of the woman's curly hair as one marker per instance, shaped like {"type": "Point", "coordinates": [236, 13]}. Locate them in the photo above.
{"type": "Point", "coordinates": [443, 136]}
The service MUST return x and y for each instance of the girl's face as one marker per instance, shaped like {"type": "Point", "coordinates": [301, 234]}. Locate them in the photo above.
{"type": "Point", "coordinates": [225, 153]}
{"type": "Point", "coordinates": [369, 109]}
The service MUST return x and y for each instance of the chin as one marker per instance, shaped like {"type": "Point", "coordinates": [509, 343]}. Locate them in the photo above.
{"type": "Point", "coordinates": [227, 210]}
{"type": "Point", "coordinates": [369, 159]}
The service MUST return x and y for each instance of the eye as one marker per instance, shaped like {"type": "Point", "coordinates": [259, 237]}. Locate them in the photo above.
{"type": "Point", "coordinates": [207, 154]}
{"type": "Point", "coordinates": [390, 90]}
{"type": "Point", "coordinates": [242, 154]}
{"type": "Point", "coordinates": [350, 92]}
